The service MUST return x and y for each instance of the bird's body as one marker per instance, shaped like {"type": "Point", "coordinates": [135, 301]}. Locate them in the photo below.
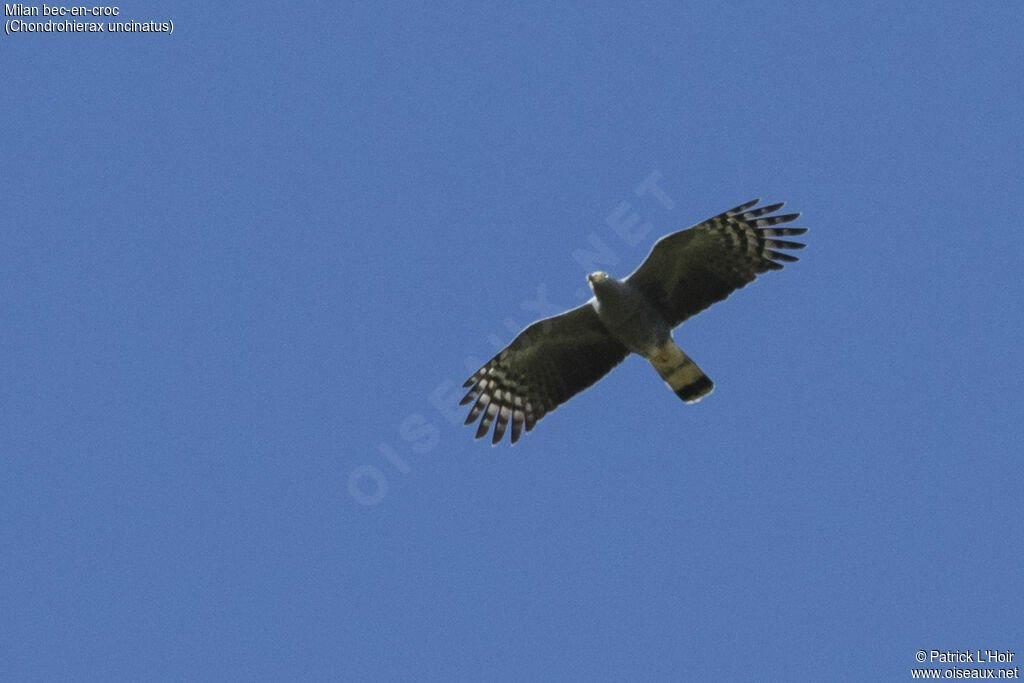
{"type": "Point", "coordinates": [687, 271]}
{"type": "Point", "coordinates": [628, 315]}
{"type": "Point", "coordinates": [633, 321]}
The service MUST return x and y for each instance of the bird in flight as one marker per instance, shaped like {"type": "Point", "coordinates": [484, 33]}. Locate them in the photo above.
{"type": "Point", "coordinates": [554, 359]}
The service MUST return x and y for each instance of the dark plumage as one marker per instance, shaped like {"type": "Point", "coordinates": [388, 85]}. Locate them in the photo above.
{"type": "Point", "coordinates": [554, 359]}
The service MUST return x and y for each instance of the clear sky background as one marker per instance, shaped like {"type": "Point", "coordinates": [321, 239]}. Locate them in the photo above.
{"type": "Point", "coordinates": [243, 268]}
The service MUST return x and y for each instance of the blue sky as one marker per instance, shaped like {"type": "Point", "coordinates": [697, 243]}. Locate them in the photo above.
{"type": "Point", "coordinates": [245, 265]}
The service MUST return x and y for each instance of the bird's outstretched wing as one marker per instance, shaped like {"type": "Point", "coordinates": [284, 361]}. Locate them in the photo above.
{"type": "Point", "coordinates": [550, 361]}
{"type": "Point", "coordinates": [689, 270]}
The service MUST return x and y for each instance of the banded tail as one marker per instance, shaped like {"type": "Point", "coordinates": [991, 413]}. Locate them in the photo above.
{"type": "Point", "coordinates": [680, 373]}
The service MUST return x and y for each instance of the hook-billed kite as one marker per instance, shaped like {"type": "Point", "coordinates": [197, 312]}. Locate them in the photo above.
{"type": "Point", "coordinates": [554, 359]}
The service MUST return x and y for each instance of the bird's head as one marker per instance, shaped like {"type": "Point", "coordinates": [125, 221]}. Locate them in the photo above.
{"type": "Point", "coordinates": [595, 277]}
